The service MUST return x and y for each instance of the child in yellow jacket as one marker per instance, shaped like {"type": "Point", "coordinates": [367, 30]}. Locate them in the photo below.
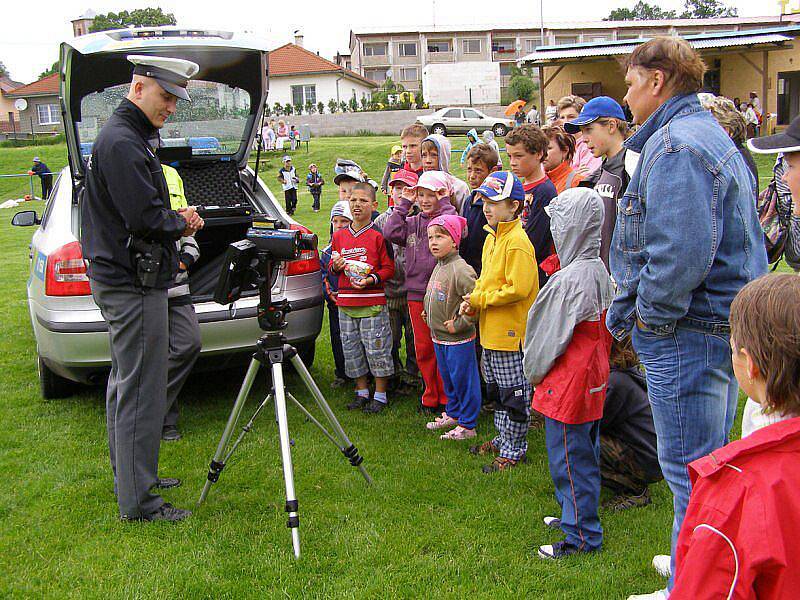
{"type": "Point", "coordinates": [502, 296]}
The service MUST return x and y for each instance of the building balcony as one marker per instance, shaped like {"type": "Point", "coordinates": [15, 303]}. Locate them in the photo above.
{"type": "Point", "coordinates": [440, 57]}
{"type": "Point", "coordinates": [505, 55]}
{"type": "Point", "coordinates": [381, 60]}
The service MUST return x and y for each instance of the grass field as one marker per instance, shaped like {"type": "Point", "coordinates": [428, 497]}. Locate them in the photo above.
{"type": "Point", "coordinates": [432, 525]}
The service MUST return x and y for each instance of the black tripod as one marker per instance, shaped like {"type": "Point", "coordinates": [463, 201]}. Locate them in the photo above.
{"type": "Point", "coordinates": [272, 349]}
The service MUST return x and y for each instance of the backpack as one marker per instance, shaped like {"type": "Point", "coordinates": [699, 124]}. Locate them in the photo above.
{"type": "Point", "coordinates": [775, 232]}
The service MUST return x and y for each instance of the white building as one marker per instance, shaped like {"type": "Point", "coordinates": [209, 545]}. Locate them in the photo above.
{"type": "Point", "coordinates": [297, 76]}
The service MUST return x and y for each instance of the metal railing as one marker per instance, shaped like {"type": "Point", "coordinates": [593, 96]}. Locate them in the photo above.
{"type": "Point", "coordinates": [30, 186]}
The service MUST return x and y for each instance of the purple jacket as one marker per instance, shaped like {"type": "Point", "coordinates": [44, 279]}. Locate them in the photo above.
{"type": "Point", "coordinates": [412, 232]}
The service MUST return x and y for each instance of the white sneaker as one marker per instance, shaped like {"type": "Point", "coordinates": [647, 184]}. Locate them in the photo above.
{"type": "Point", "coordinates": [659, 595]}
{"type": "Point", "coordinates": [661, 563]}
{"type": "Point", "coordinates": [552, 522]}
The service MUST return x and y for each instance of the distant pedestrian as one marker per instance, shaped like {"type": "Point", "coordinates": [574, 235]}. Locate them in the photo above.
{"type": "Point", "coordinates": [314, 181]}
{"type": "Point", "coordinates": [43, 171]}
{"type": "Point", "coordinates": [287, 175]}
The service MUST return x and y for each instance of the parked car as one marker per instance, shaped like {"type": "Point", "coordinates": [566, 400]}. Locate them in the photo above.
{"type": "Point", "coordinates": [453, 119]}
{"type": "Point", "coordinates": [231, 87]}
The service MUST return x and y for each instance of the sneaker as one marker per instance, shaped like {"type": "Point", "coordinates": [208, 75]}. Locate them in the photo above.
{"type": "Point", "coordinates": [358, 403]}
{"type": "Point", "coordinates": [659, 595]}
{"type": "Point", "coordinates": [165, 483]}
{"type": "Point", "coordinates": [442, 422]}
{"type": "Point", "coordinates": [626, 501]}
{"type": "Point", "coordinates": [459, 433]}
{"type": "Point", "coordinates": [170, 434]}
{"type": "Point", "coordinates": [484, 449]}
{"type": "Point", "coordinates": [552, 522]}
{"type": "Point", "coordinates": [662, 563]}
{"type": "Point", "coordinates": [374, 407]}
{"type": "Point", "coordinates": [560, 549]}
{"type": "Point", "coordinates": [166, 512]}
{"type": "Point", "coordinates": [500, 463]}
{"type": "Point", "coordinates": [338, 382]}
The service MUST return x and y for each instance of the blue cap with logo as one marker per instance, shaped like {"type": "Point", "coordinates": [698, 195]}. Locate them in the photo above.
{"type": "Point", "coordinates": [596, 108]}
{"type": "Point", "coordinates": [502, 185]}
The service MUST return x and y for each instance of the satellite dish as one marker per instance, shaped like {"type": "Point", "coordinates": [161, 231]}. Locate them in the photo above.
{"type": "Point", "coordinates": [21, 104]}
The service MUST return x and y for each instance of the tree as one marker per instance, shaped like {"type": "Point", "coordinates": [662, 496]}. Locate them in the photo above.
{"type": "Point", "coordinates": [53, 69]}
{"type": "Point", "coordinates": [364, 103]}
{"type": "Point", "coordinates": [277, 108]}
{"type": "Point", "coordinates": [333, 106]}
{"type": "Point", "coordinates": [641, 11]}
{"type": "Point", "coordinates": [140, 17]}
{"type": "Point", "coordinates": [3, 71]}
{"type": "Point", "coordinates": [288, 109]}
{"type": "Point", "coordinates": [320, 107]}
{"type": "Point", "coordinates": [343, 106]}
{"type": "Point", "coordinates": [353, 104]}
{"type": "Point", "coordinates": [521, 87]}
{"type": "Point", "coordinates": [310, 107]}
{"type": "Point", "coordinates": [705, 9]}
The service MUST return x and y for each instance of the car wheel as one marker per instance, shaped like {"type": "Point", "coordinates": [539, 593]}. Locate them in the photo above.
{"type": "Point", "coordinates": [500, 130]}
{"type": "Point", "coordinates": [306, 352]}
{"type": "Point", "coordinates": [53, 386]}
{"type": "Point", "coordinates": [439, 129]}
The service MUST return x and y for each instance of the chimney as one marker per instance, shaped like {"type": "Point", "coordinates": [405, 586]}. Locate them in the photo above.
{"type": "Point", "coordinates": [298, 38]}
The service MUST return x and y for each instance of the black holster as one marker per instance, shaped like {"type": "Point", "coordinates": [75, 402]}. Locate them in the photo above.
{"type": "Point", "coordinates": [147, 258]}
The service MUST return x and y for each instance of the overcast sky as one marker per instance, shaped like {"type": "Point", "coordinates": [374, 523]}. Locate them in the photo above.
{"type": "Point", "coordinates": [30, 38]}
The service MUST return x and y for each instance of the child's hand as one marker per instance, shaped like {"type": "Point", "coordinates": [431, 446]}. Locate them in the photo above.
{"type": "Point", "coordinates": [424, 315]}
{"type": "Point", "coordinates": [361, 282]}
{"type": "Point", "coordinates": [466, 308]}
{"type": "Point", "coordinates": [338, 262]}
{"type": "Point", "coordinates": [450, 325]}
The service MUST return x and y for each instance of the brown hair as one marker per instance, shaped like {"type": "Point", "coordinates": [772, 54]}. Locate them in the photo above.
{"type": "Point", "coordinates": [573, 101]}
{"type": "Point", "coordinates": [622, 125]}
{"type": "Point", "coordinates": [429, 145]}
{"type": "Point", "coordinates": [365, 187]}
{"type": "Point", "coordinates": [485, 154]}
{"type": "Point", "coordinates": [414, 130]}
{"type": "Point", "coordinates": [623, 356]}
{"type": "Point", "coordinates": [531, 137]}
{"type": "Point", "coordinates": [765, 320]}
{"type": "Point", "coordinates": [564, 140]}
{"type": "Point", "coordinates": [681, 64]}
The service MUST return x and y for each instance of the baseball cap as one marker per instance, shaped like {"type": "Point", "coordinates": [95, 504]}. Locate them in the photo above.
{"type": "Point", "coordinates": [287, 158]}
{"type": "Point", "coordinates": [434, 181]}
{"type": "Point", "coordinates": [396, 148]}
{"type": "Point", "coordinates": [596, 108]}
{"type": "Point", "coordinates": [172, 74]}
{"type": "Point", "coordinates": [347, 169]}
{"type": "Point", "coordinates": [404, 176]}
{"type": "Point", "coordinates": [501, 185]}
{"type": "Point", "coordinates": [36, 159]}
{"type": "Point", "coordinates": [786, 141]}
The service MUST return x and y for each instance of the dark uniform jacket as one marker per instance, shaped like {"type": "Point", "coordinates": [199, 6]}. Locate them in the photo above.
{"type": "Point", "coordinates": [126, 193]}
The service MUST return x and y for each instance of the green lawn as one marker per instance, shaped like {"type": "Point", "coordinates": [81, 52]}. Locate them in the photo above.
{"type": "Point", "coordinates": [431, 525]}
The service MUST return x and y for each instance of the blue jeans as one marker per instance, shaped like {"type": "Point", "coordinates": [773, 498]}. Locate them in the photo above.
{"type": "Point", "coordinates": [458, 367]}
{"type": "Point", "coordinates": [693, 394]}
{"type": "Point", "coordinates": [573, 455]}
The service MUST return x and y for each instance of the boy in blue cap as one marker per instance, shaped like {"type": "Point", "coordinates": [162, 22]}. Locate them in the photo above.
{"type": "Point", "coordinates": [602, 124]}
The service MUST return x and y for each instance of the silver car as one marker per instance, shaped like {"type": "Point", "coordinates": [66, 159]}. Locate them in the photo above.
{"type": "Point", "coordinates": [228, 98]}
{"type": "Point", "coordinates": [453, 119]}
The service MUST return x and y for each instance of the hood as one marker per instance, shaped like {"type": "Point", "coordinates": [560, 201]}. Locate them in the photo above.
{"type": "Point", "coordinates": [472, 135]}
{"type": "Point", "coordinates": [576, 219]}
{"type": "Point", "coordinates": [98, 63]}
{"type": "Point", "coordinates": [488, 136]}
{"type": "Point", "coordinates": [443, 146]}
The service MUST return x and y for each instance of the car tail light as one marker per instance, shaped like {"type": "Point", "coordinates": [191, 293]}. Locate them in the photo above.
{"type": "Point", "coordinates": [66, 272]}
{"type": "Point", "coordinates": [308, 261]}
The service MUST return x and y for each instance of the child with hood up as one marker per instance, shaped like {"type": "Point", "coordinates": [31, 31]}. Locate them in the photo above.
{"type": "Point", "coordinates": [488, 139]}
{"type": "Point", "coordinates": [566, 355]}
{"type": "Point", "coordinates": [472, 139]}
{"type": "Point", "coordinates": [431, 194]}
{"type": "Point", "coordinates": [435, 150]}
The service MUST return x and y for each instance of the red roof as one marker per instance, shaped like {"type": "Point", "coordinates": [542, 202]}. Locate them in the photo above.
{"type": "Point", "coordinates": [291, 59]}
{"type": "Point", "coordinates": [46, 86]}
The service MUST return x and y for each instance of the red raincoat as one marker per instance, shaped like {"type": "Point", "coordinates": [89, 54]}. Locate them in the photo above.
{"type": "Point", "coordinates": [741, 535]}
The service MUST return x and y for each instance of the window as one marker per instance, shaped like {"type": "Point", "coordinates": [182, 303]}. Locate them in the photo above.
{"type": "Point", "coordinates": [566, 39]}
{"type": "Point", "coordinates": [48, 114]}
{"type": "Point", "coordinates": [439, 46]}
{"type": "Point", "coordinates": [505, 69]}
{"type": "Point", "coordinates": [628, 35]}
{"type": "Point", "coordinates": [409, 74]}
{"type": "Point", "coordinates": [407, 49]}
{"type": "Point", "coordinates": [531, 44]}
{"type": "Point", "coordinates": [471, 46]}
{"type": "Point", "coordinates": [375, 49]}
{"type": "Point", "coordinates": [502, 45]}
{"type": "Point", "coordinates": [471, 114]}
{"type": "Point", "coordinates": [594, 38]}
{"type": "Point", "coordinates": [303, 94]}
{"type": "Point", "coordinates": [377, 75]}
{"type": "Point", "coordinates": [453, 113]}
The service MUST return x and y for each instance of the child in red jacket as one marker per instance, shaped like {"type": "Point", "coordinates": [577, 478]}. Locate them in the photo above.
{"type": "Point", "coordinates": [566, 359]}
{"type": "Point", "coordinates": [741, 534]}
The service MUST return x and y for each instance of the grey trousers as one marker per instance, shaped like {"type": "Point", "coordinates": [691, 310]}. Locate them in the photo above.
{"type": "Point", "coordinates": [136, 396]}
{"type": "Point", "coordinates": [184, 348]}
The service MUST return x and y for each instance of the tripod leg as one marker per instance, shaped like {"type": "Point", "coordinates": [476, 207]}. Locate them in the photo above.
{"type": "Point", "coordinates": [347, 447]}
{"type": "Point", "coordinates": [217, 463]}
{"type": "Point", "coordinates": [286, 455]}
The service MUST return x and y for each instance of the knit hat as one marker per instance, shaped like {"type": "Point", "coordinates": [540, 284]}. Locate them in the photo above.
{"type": "Point", "coordinates": [341, 209]}
{"type": "Point", "coordinates": [454, 225]}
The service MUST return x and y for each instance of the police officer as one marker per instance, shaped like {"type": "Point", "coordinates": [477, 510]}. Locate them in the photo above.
{"type": "Point", "coordinates": [128, 237]}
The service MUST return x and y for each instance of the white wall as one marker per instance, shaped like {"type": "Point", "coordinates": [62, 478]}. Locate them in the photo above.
{"type": "Point", "coordinates": [450, 83]}
{"type": "Point", "coordinates": [280, 88]}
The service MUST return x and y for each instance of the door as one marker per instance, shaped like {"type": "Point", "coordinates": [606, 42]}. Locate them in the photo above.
{"type": "Point", "coordinates": [452, 119]}
{"type": "Point", "coordinates": [788, 96]}
{"type": "Point", "coordinates": [472, 118]}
